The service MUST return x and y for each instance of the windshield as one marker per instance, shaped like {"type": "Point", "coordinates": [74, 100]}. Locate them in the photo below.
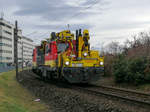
{"type": "Point", "coordinates": [61, 47]}
{"type": "Point", "coordinates": [39, 52]}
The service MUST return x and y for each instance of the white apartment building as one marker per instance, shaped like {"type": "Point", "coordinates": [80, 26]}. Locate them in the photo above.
{"type": "Point", "coordinates": [25, 45]}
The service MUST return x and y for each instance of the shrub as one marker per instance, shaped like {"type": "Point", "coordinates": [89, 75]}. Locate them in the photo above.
{"type": "Point", "coordinates": [119, 69]}
{"type": "Point", "coordinates": [131, 70]}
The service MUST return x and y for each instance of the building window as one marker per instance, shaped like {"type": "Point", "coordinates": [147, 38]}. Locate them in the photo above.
{"type": "Point", "coordinates": [8, 26]}
{"type": "Point", "coordinates": [27, 44]}
{"type": "Point", "coordinates": [5, 51]}
{"type": "Point", "coordinates": [4, 44]}
{"type": "Point", "coordinates": [1, 44]}
{"type": "Point", "coordinates": [5, 58]}
{"type": "Point", "coordinates": [6, 38]}
{"type": "Point", "coordinates": [3, 24]}
{"type": "Point", "coordinates": [19, 58]}
{"type": "Point", "coordinates": [27, 47]}
{"type": "Point", "coordinates": [27, 55]}
{"type": "Point", "coordinates": [27, 51]}
{"type": "Point", "coordinates": [8, 32]}
{"type": "Point", "coordinates": [8, 58]}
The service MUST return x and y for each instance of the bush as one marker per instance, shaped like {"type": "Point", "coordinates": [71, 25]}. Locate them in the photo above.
{"type": "Point", "coordinates": [119, 69]}
{"type": "Point", "coordinates": [131, 70]}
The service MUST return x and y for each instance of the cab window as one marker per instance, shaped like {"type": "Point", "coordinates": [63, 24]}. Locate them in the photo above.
{"type": "Point", "coordinates": [61, 47]}
{"type": "Point", "coordinates": [47, 49]}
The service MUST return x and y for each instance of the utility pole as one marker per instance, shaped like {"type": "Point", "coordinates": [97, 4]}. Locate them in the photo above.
{"type": "Point", "coordinates": [16, 48]}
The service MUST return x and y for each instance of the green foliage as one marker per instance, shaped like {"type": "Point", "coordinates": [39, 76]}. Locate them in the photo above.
{"type": "Point", "coordinates": [134, 71]}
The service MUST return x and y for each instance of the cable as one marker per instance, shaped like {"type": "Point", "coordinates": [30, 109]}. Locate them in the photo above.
{"type": "Point", "coordinates": [44, 34]}
{"type": "Point", "coordinates": [77, 14]}
{"type": "Point", "coordinates": [31, 33]}
{"type": "Point", "coordinates": [95, 2]}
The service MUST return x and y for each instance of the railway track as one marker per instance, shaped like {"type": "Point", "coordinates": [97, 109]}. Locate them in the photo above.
{"type": "Point", "coordinates": [125, 93]}
{"type": "Point", "coordinates": [128, 96]}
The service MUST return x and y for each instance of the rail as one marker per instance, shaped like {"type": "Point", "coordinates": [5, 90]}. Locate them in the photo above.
{"type": "Point", "coordinates": [131, 99]}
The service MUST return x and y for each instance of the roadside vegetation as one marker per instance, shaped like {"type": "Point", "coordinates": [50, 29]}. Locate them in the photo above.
{"type": "Point", "coordinates": [14, 98]}
{"type": "Point", "coordinates": [129, 62]}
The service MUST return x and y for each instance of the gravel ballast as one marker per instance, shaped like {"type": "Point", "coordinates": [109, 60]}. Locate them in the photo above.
{"type": "Point", "coordinates": [63, 99]}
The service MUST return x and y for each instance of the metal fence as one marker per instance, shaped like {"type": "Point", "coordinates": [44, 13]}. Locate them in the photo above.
{"type": "Point", "coordinates": [6, 68]}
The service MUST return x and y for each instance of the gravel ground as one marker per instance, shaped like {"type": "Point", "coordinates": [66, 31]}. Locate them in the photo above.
{"type": "Point", "coordinates": [63, 99]}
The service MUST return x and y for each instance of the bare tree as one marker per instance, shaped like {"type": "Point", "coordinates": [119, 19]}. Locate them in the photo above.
{"type": "Point", "coordinates": [114, 48]}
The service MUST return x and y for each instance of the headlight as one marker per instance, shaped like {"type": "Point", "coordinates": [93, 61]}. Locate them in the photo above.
{"type": "Point", "coordinates": [85, 54]}
{"type": "Point", "coordinates": [101, 63]}
{"type": "Point", "coordinates": [67, 63]}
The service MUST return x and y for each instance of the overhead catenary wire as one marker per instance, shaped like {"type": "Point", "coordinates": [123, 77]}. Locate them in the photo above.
{"type": "Point", "coordinates": [96, 1]}
{"type": "Point", "coordinates": [32, 33]}
{"type": "Point", "coordinates": [75, 15]}
{"type": "Point", "coordinates": [79, 13]}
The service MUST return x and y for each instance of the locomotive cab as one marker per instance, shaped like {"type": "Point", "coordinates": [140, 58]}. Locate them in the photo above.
{"type": "Point", "coordinates": [83, 65]}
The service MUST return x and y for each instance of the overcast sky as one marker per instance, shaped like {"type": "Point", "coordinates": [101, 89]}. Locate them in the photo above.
{"type": "Point", "coordinates": [107, 20]}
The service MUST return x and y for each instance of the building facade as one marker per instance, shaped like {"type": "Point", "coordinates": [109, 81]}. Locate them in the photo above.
{"type": "Point", "coordinates": [27, 48]}
{"type": "Point", "coordinates": [25, 45]}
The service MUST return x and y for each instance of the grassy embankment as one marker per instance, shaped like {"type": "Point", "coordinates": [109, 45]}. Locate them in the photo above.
{"type": "Point", "coordinates": [14, 98]}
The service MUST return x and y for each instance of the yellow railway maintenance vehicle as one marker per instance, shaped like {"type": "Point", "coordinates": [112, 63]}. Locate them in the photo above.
{"type": "Point", "coordinates": [63, 56]}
